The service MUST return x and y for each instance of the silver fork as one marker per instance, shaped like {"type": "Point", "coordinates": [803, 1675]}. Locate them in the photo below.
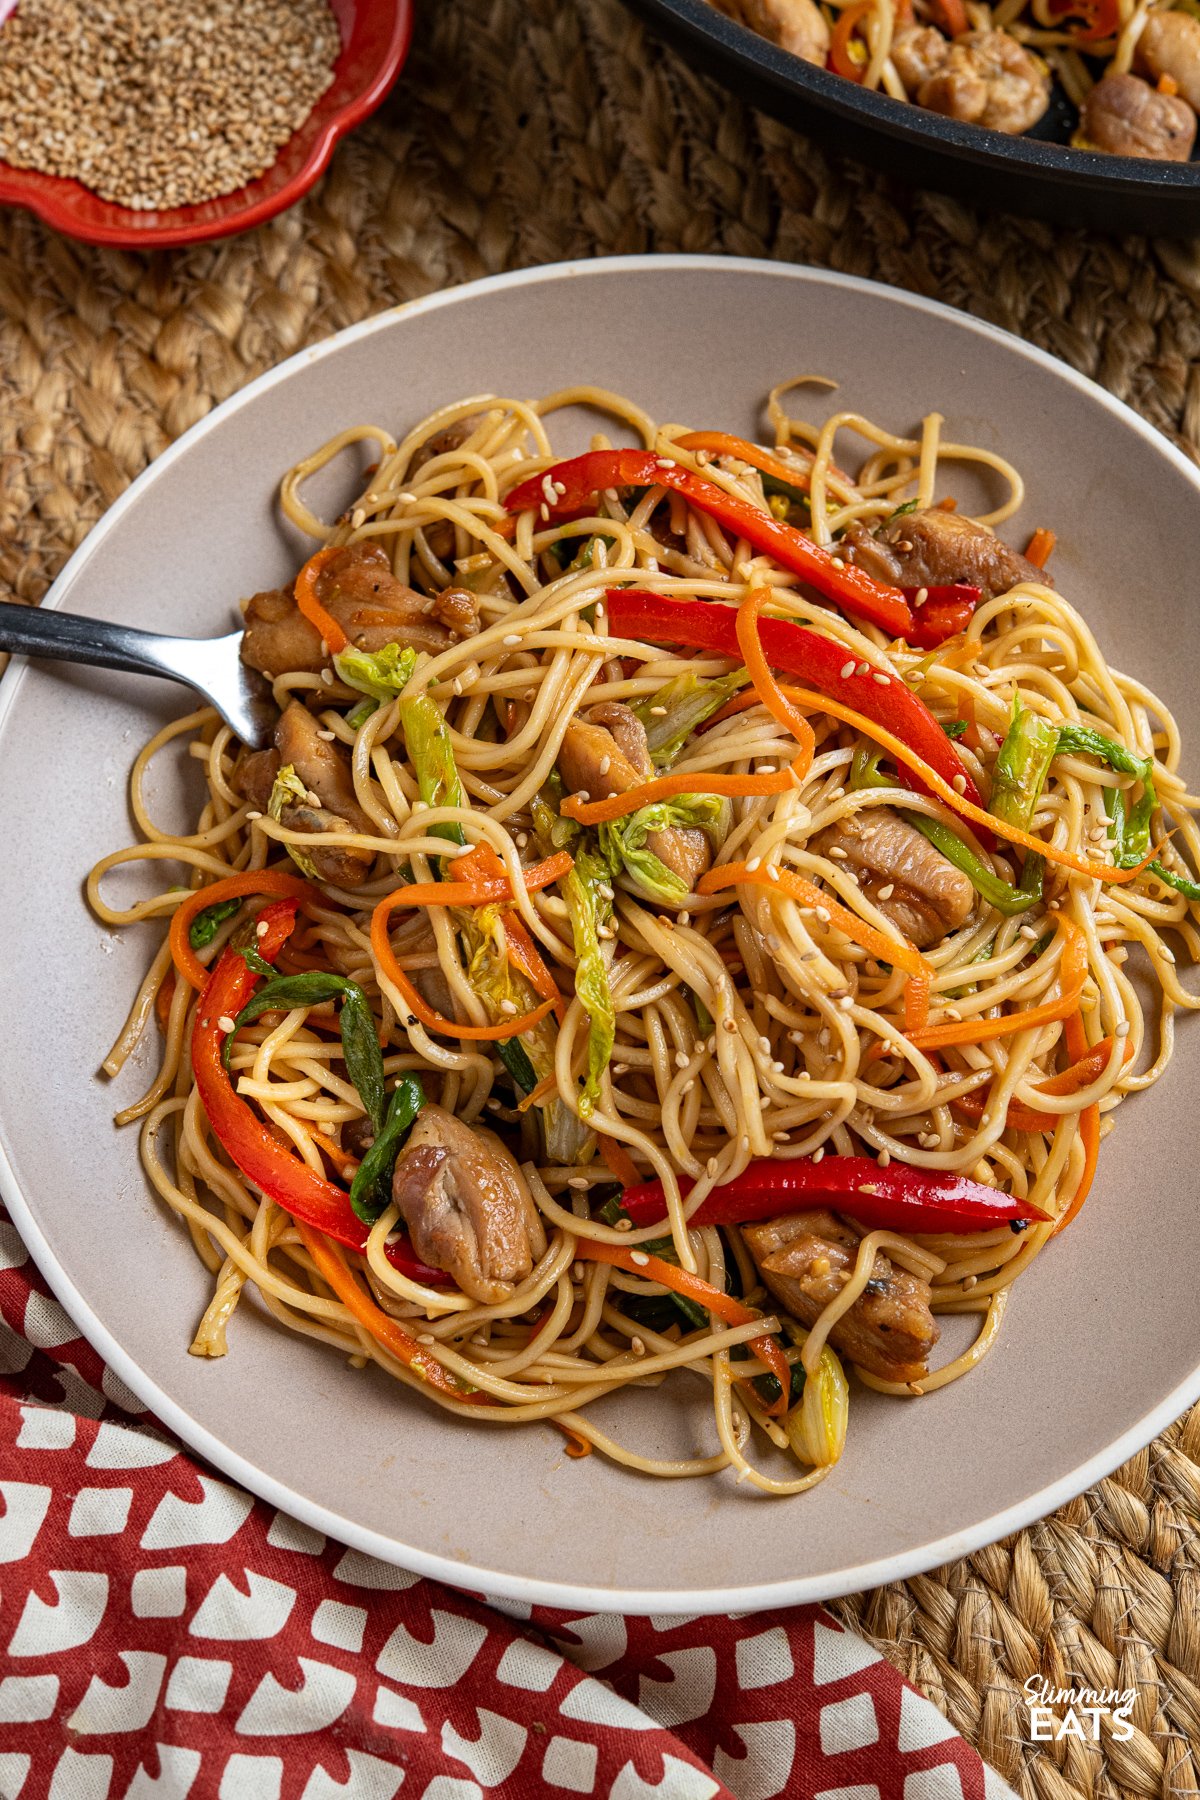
{"type": "Point", "coordinates": [212, 666]}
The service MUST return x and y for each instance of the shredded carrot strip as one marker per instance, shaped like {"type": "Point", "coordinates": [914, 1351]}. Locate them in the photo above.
{"type": "Point", "coordinates": [1080, 1074]}
{"type": "Point", "coordinates": [305, 591]}
{"type": "Point", "coordinates": [967, 809]}
{"type": "Point", "coordinates": [1089, 1127]}
{"type": "Point", "coordinates": [522, 951]}
{"type": "Point", "coordinates": [547, 1085]}
{"type": "Point", "coordinates": [949, 504]}
{"type": "Point", "coordinates": [1040, 547]}
{"type": "Point", "coordinates": [665, 787]}
{"type": "Point", "coordinates": [772, 695]}
{"type": "Point", "coordinates": [342, 1160]}
{"type": "Point", "coordinates": [721, 1305]}
{"type": "Point", "coordinates": [897, 951]}
{"type": "Point", "coordinates": [724, 443]}
{"type": "Point", "coordinates": [577, 1446]}
{"type": "Point", "coordinates": [483, 888]}
{"type": "Point", "coordinates": [618, 1161]}
{"type": "Point", "coordinates": [916, 1003]}
{"type": "Point", "coordinates": [389, 1332]}
{"type": "Point", "coordinates": [254, 881]}
{"type": "Point", "coordinates": [457, 893]}
{"type": "Point", "coordinates": [1073, 974]}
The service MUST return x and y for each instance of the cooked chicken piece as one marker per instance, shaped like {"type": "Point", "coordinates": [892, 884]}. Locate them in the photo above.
{"type": "Point", "coordinates": [805, 1258]}
{"type": "Point", "coordinates": [605, 752]}
{"type": "Point", "coordinates": [465, 1203]}
{"type": "Point", "coordinates": [324, 769]}
{"type": "Point", "coordinates": [983, 77]}
{"type": "Point", "coordinates": [1170, 45]}
{"type": "Point", "coordinates": [935, 549]}
{"type": "Point", "coordinates": [1127, 117]}
{"type": "Point", "coordinates": [795, 25]}
{"type": "Point", "coordinates": [910, 882]}
{"type": "Point", "coordinates": [450, 437]}
{"type": "Point", "coordinates": [359, 590]}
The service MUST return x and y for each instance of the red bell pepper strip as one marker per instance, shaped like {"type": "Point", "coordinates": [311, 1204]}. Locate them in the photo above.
{"type": "Point", "coordinates": [565, 487]}
{"type": "Point", "coordinates": [897, 1198]}
{"type": "Point", "coordinates": [820, 661]}
{"type": "Point", "coordinates": [251, 1143]}
{"type": "Point", "coordinates": [942, 614]}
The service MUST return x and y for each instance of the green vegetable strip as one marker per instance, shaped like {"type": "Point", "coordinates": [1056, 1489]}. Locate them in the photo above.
{"type": "Point", "coordinates": [432, 756]}
{"type": "Point", "coordinates": [995, 890]}
{"type": "Point", "coordinates": [864, 772]}
{"type": "Point", "coordinates": [381, 674]}
{"type": "Point", "coordinates": [675, 711]}
{"type": "Point", "coordinates": [589, 909]}
{"type": "Point", "coordinates": [206, 924]}
{"type": "Point", "coordinates": [1022, 766]}
{"type": "Point", "coordinates": [369, 1192]}
{"type": "Point", "coordinates": [360, 1043]}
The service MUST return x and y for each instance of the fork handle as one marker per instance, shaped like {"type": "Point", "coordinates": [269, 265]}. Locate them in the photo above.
{"type": "Point", "coordinates": [69, 637]}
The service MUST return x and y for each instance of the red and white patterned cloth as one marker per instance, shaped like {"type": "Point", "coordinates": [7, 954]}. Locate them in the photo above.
{"type": "Point", "coordinates": [162, 1634]}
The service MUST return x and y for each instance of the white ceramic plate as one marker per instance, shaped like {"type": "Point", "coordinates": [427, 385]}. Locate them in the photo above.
{"type": "Point", "coordinates": [1098, 1351]}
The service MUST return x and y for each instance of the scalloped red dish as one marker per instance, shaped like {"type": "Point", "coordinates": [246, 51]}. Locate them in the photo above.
{"type": "Point", "coordinates": [375, 40]}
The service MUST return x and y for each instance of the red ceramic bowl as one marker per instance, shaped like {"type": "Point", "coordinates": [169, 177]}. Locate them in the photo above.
{"type": "Point", "coordinates": [375, 38]}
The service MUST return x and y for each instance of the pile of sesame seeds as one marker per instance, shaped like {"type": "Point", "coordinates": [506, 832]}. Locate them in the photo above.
{"type": "Point", "coordinates": [160, 103]}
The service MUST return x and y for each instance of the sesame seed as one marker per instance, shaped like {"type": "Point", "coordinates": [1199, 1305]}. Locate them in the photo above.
{"type": "Point", "coordinates": [823, 913]}
{"type": "Point", "coordinates": [885, 1157]}
{"type": "Point", "coordinates": [772, 872]}
{"type": "Point", "coordinates": [639, 1257]}
{"type": "Point", "coordinates": [922, 596]}
{"type": "Point", "coordinates": [578, 1182]}
{"type": "Point", "coordinates": [764, 1044]}
{"type": "Point", "coordinates": [506, 1006]}
{"type": "Point", "coordinates": [864, 668]}
{"type": "Point", "coordinates": [254, 815]}
{"type": "Point", "coordinates": [326, 677]}
{"type": "Point", "coordinates": [847, 669]}
{"type": "Point", "coordinates": [681, 1059]}
{"type": "Point", "coordinates": [711, 1167]}
{"type": "Point", "coordinates": [605, 764]}
{"type": "Point", "coordinates": [328, 736]}
{"type": "Point", "coordinates": [818, 1155]}
{"type": "Point", "coordinates": [959, 784]}
{"type": "Point", "coordinates": [510, 638]}
{"type": "Point", "coordinates": [261, 929]}
{"type": "Point", "coordinates": [225, 1022]}
{"type": "Point", "coordinates": [838, 854]}
{"type": "Point", "coordinates": [729, 1026]}
{"type": "Point", "coordinates": [885, 893]}
{"type": "Point", "coordinates": [637, 1346]}
{"type": "Point", "coordinates": [754, 863]}
{"type": "Point", "coordinates": [883, 680]}
{"type": "Point", "coordinates": [837, 562]}
{"type": "Point", "coordinates": [1121, 1030]}
{"type": "Point", "coordinates": [659, 712]}
{"type": "Point", "coordinates": [846, 1002]}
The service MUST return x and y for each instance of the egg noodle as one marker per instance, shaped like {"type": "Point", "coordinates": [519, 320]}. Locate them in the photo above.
{"type": "Point", "coordinates": [782, 1014]}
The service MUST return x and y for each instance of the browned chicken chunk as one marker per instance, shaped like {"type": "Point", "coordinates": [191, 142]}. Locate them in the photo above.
{"type": "Point", "coordinates": [935, 549]}
{"type": "Point", "coordinates": [982, 77]}
{"type": "Point", "coordinates": [359, 590]}
{"type": "Point", "coordinates": [324, 769]}
{"type": "Point", "coordinates": [1127, 117]}
{"type": "Point", "coordinates": [910, 882]}
{"type": "Point", "coordinates": [465, 1203]}
{"type": "Point", "coordinates": [1170, 46]}
{"type": "Point", "coordinates": [805, 1259]}
{"type": "Point", "coordinates": [604, 752]}
{"type": "Point", "coordinates": [795, 25]}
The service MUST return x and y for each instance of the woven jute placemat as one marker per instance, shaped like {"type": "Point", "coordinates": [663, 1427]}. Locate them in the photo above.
{"type": "Point", "coordinates": [525, 131]}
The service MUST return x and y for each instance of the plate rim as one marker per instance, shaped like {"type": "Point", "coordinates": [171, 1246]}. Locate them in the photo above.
{"type": "Point", "coordinates": [499, 1584]}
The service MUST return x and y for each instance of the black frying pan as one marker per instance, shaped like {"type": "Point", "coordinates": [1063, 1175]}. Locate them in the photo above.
{"type": "Point", "coordinates": [1037, 174]}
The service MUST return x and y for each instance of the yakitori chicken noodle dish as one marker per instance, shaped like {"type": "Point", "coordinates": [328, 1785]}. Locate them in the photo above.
{"type": "Point", "coordinates": [683, 930]}
{"type": "Point", "coordinates": [1130, 69]}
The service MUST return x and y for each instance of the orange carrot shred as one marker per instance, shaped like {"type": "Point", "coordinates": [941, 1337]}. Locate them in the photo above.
{"type": "Point", "coordinates": [305, 591]}
{"type": "Point", "coordinates": [1040, 547]}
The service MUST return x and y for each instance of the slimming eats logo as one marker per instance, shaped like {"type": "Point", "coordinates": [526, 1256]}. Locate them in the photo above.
{"type": "Point", "coordinates": [1084, 1709]}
